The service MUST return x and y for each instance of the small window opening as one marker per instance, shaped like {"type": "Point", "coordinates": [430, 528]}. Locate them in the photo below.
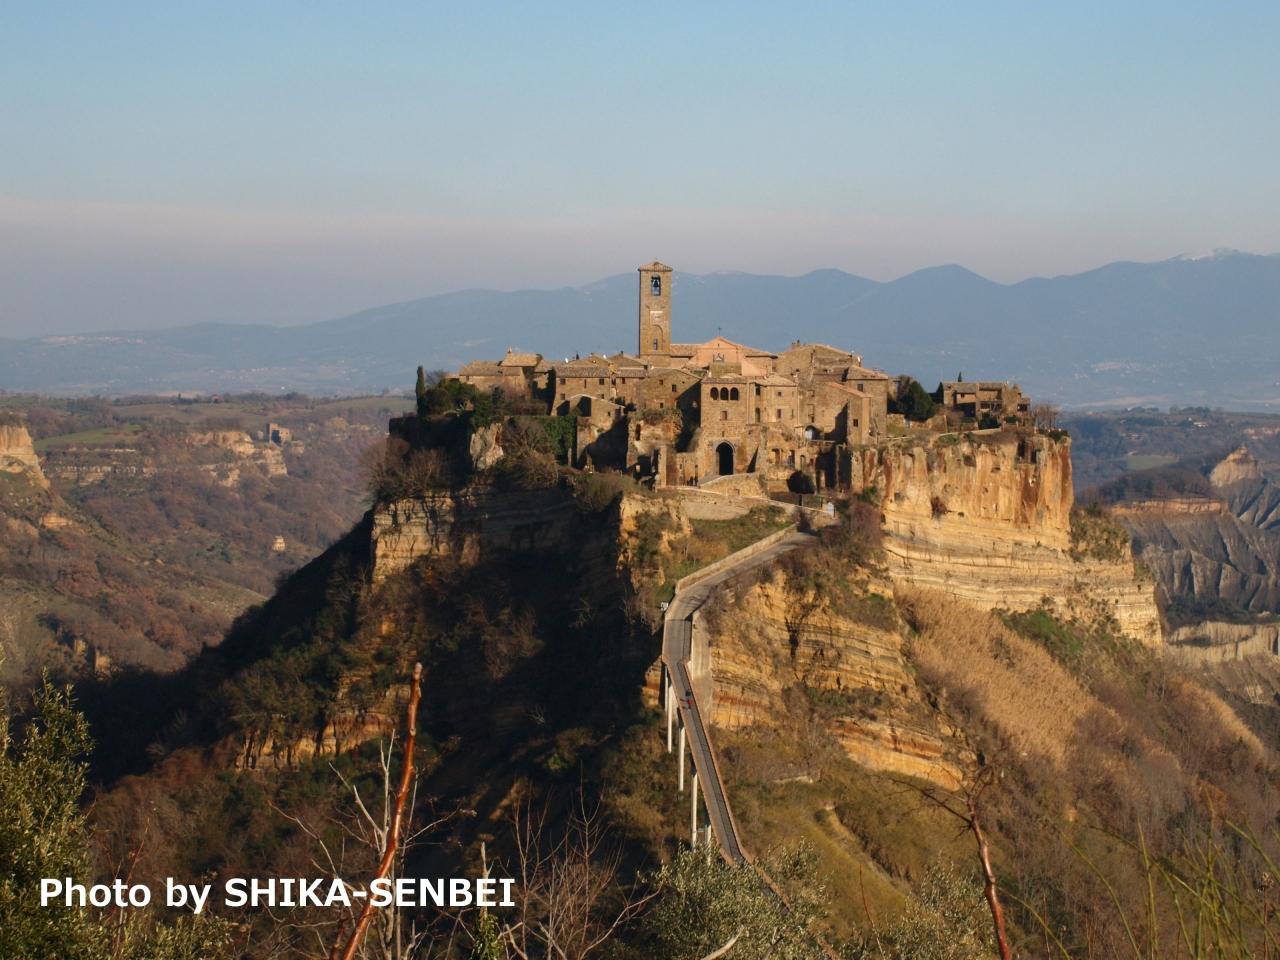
{"type": "Point", "coordinates": [655, 285]}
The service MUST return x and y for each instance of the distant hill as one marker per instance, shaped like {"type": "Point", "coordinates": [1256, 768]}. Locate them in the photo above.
{"type": "Point", "coordinates": [1183, 331]}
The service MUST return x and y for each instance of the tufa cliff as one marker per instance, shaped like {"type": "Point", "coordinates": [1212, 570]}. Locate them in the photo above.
{"type": "Point", "coordinates": [987, 517]}
{"type": "Point", "coordinates": [18, 454]}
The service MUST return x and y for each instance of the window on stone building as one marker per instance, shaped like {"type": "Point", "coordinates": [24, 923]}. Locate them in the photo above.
{"type": "Point", "coordinates": [757, 414]}
{"type": "Point", "coordinates": [715, 393]}
{"type": "Point", "coordinates": [602, 381]}
{"type": "Point", "coordinates": [757, 389]}
{"type": "Point", "coordinates": [673, 388]}
{"type": "Point", "coordinates": [733, 393]}
{"type": "Point", "coordinates": [655, 344]}
{"type": "Point", "coordinates": [777, 415]}
{"type": "Point", "coordinates": [862, 388]}
{"type": "Point", "coordinates": [724, 414]}
{"type": "Point", "coordinates": [655, 285]}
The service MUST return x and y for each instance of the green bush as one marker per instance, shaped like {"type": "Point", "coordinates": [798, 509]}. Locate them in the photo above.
{"type": "Point", "coordinates": [913, 402]}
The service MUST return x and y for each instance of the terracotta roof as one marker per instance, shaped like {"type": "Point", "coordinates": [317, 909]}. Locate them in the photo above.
{"type": "Point", "coordinates": [513, 359]}
{"type": "Point", "coordinates": [480, 368]}
{"type": "Point", "coordinates": [593, 366]}
{"type": "Point", "coordinates": [668, 371]}
{"type": "Point", "coordinates": [655, 267]}
{"type": "Point", "coordinates": [819, 346]}
{"type": "Point", "coordinates": [979, 385]}
{"type": "Point", "coordinates": [845, 388]}
{"type": "Point", "coordinates": [864, 373]}
{"type": "Point", "coordinates": [774, 380]}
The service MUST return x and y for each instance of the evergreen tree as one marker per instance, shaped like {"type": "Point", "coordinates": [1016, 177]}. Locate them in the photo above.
{"type": "Point", "coordinates": [421, 391]}
{"type": "Point", "coordinates": [914, 402]}
{"type": "Point", "coordinates": [42, 834]}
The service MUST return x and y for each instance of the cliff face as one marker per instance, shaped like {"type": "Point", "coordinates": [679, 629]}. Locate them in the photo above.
{"type": "Point", "coordinates": [1239, 465]}
{"type": "Point", "coordinates": [767, 643]}
{"type": "Point", "coordinates": [1226, 555]}
{"type": "Point", "coordinates": [461, 524]}
{"type": "Point", "coordinates": [987, 518]}
{"type": "Point", "coordinates": [18, 454]}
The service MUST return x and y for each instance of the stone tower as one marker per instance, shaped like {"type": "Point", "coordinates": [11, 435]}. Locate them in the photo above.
{"type": "Point", "coordinates": [655, 310]}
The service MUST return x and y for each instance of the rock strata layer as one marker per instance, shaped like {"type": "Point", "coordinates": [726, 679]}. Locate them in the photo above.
{"type": "Point", "coordinates": [987, 518]}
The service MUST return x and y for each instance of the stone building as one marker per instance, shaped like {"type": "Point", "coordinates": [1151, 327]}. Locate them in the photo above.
{"type": "Point", "coordinates": [978, 398]}
{"type": "Point", "coordinates": [693, 412]}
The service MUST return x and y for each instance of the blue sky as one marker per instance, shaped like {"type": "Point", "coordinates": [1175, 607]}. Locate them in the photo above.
{"type": "Point", "coordinates": [178, 162]}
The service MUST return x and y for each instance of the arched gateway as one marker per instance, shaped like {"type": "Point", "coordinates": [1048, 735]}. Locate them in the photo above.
{"type": "Point", "coordinates": [724, 458]}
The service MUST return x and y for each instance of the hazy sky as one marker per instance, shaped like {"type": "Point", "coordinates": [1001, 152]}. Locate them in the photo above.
{"type": "Point", "coordinates": [176, 162]}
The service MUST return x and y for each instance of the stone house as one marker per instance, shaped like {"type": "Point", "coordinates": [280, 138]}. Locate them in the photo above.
{"type": "Point", "coordinates": [978, 398]}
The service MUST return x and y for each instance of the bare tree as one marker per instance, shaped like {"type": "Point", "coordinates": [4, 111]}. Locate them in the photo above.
{"type": "Point", "coordinates": [387, 834]}
{"type": "Point", "coordinates": [569, 900]}
{"type": "Point", "coordinates": [968, 811]}
{"type": "Point", "coordinates": [1044, 416]}
{"type": "Point", "coordinates": [377, 829]}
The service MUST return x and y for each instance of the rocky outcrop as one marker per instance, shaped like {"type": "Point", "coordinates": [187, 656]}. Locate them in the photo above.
{"type": "Point", "coordinates": [1211, 559]}
{"type": "Point", "coordinates": [244, 449]}
{"type": "Point", "coordinates": [1214, 641]}
{"type": "Point", "coordinates": [461, 523]}
{"type": "Point", "coordinates": [94, 465]}
{"type": "Point", "coordinates": [1239, 465]}
{"type": "Point", "coordinates": [18, 453]}
{"type": "Point", "coordinates": [987, 518]}
{"type": "Point", "coordinates": [483, 447]}
{"type": "Point", "coordinates": [1205, 559]}
{"type": "Point", "coordinates": [1172, 506]}
{"type": "Point", "coordinates": [769, 644]}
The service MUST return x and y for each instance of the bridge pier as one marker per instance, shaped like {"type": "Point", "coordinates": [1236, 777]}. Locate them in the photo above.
{"type": "Point", "coordinates": [671, 712]}
{"type": "Point", "coordinates": [680, 764]}
{"type": "Point", "coordinates": [693, 814]}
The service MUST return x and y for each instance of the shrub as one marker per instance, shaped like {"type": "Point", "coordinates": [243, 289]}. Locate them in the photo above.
{"type": "Point", "coordinates": [859, 539]}
{"type": "Point", "coordinates": [946, 918]}
{"type": "Point", "coordinates": [1094, 535]}
{"type": "Point", "coordinates": [913, 402]}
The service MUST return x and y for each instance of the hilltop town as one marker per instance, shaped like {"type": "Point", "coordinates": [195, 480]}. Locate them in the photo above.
{"type": "Point", "coordinates": [683, 414]}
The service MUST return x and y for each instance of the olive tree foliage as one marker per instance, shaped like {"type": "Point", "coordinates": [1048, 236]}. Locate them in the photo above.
{"type": "Point", "coordinates": [704, 903]}
{"type": "Point", "coordinates": [945, 919]}
{"type": "Point", "coordinates": [43, 834]}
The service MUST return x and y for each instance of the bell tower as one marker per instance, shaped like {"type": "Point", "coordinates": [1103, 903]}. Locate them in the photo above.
{"type": "Point", "coordinates": [655, 310]}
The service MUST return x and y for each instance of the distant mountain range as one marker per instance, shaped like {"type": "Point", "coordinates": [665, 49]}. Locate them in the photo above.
{"type": "Point", "coordinates": [1187, 331]}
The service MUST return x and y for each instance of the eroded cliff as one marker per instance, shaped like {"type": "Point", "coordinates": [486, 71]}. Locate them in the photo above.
{"type": "Point", "coordinates": [18, 453]}
{"type": "Point", "coordinates": [987, 517]}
